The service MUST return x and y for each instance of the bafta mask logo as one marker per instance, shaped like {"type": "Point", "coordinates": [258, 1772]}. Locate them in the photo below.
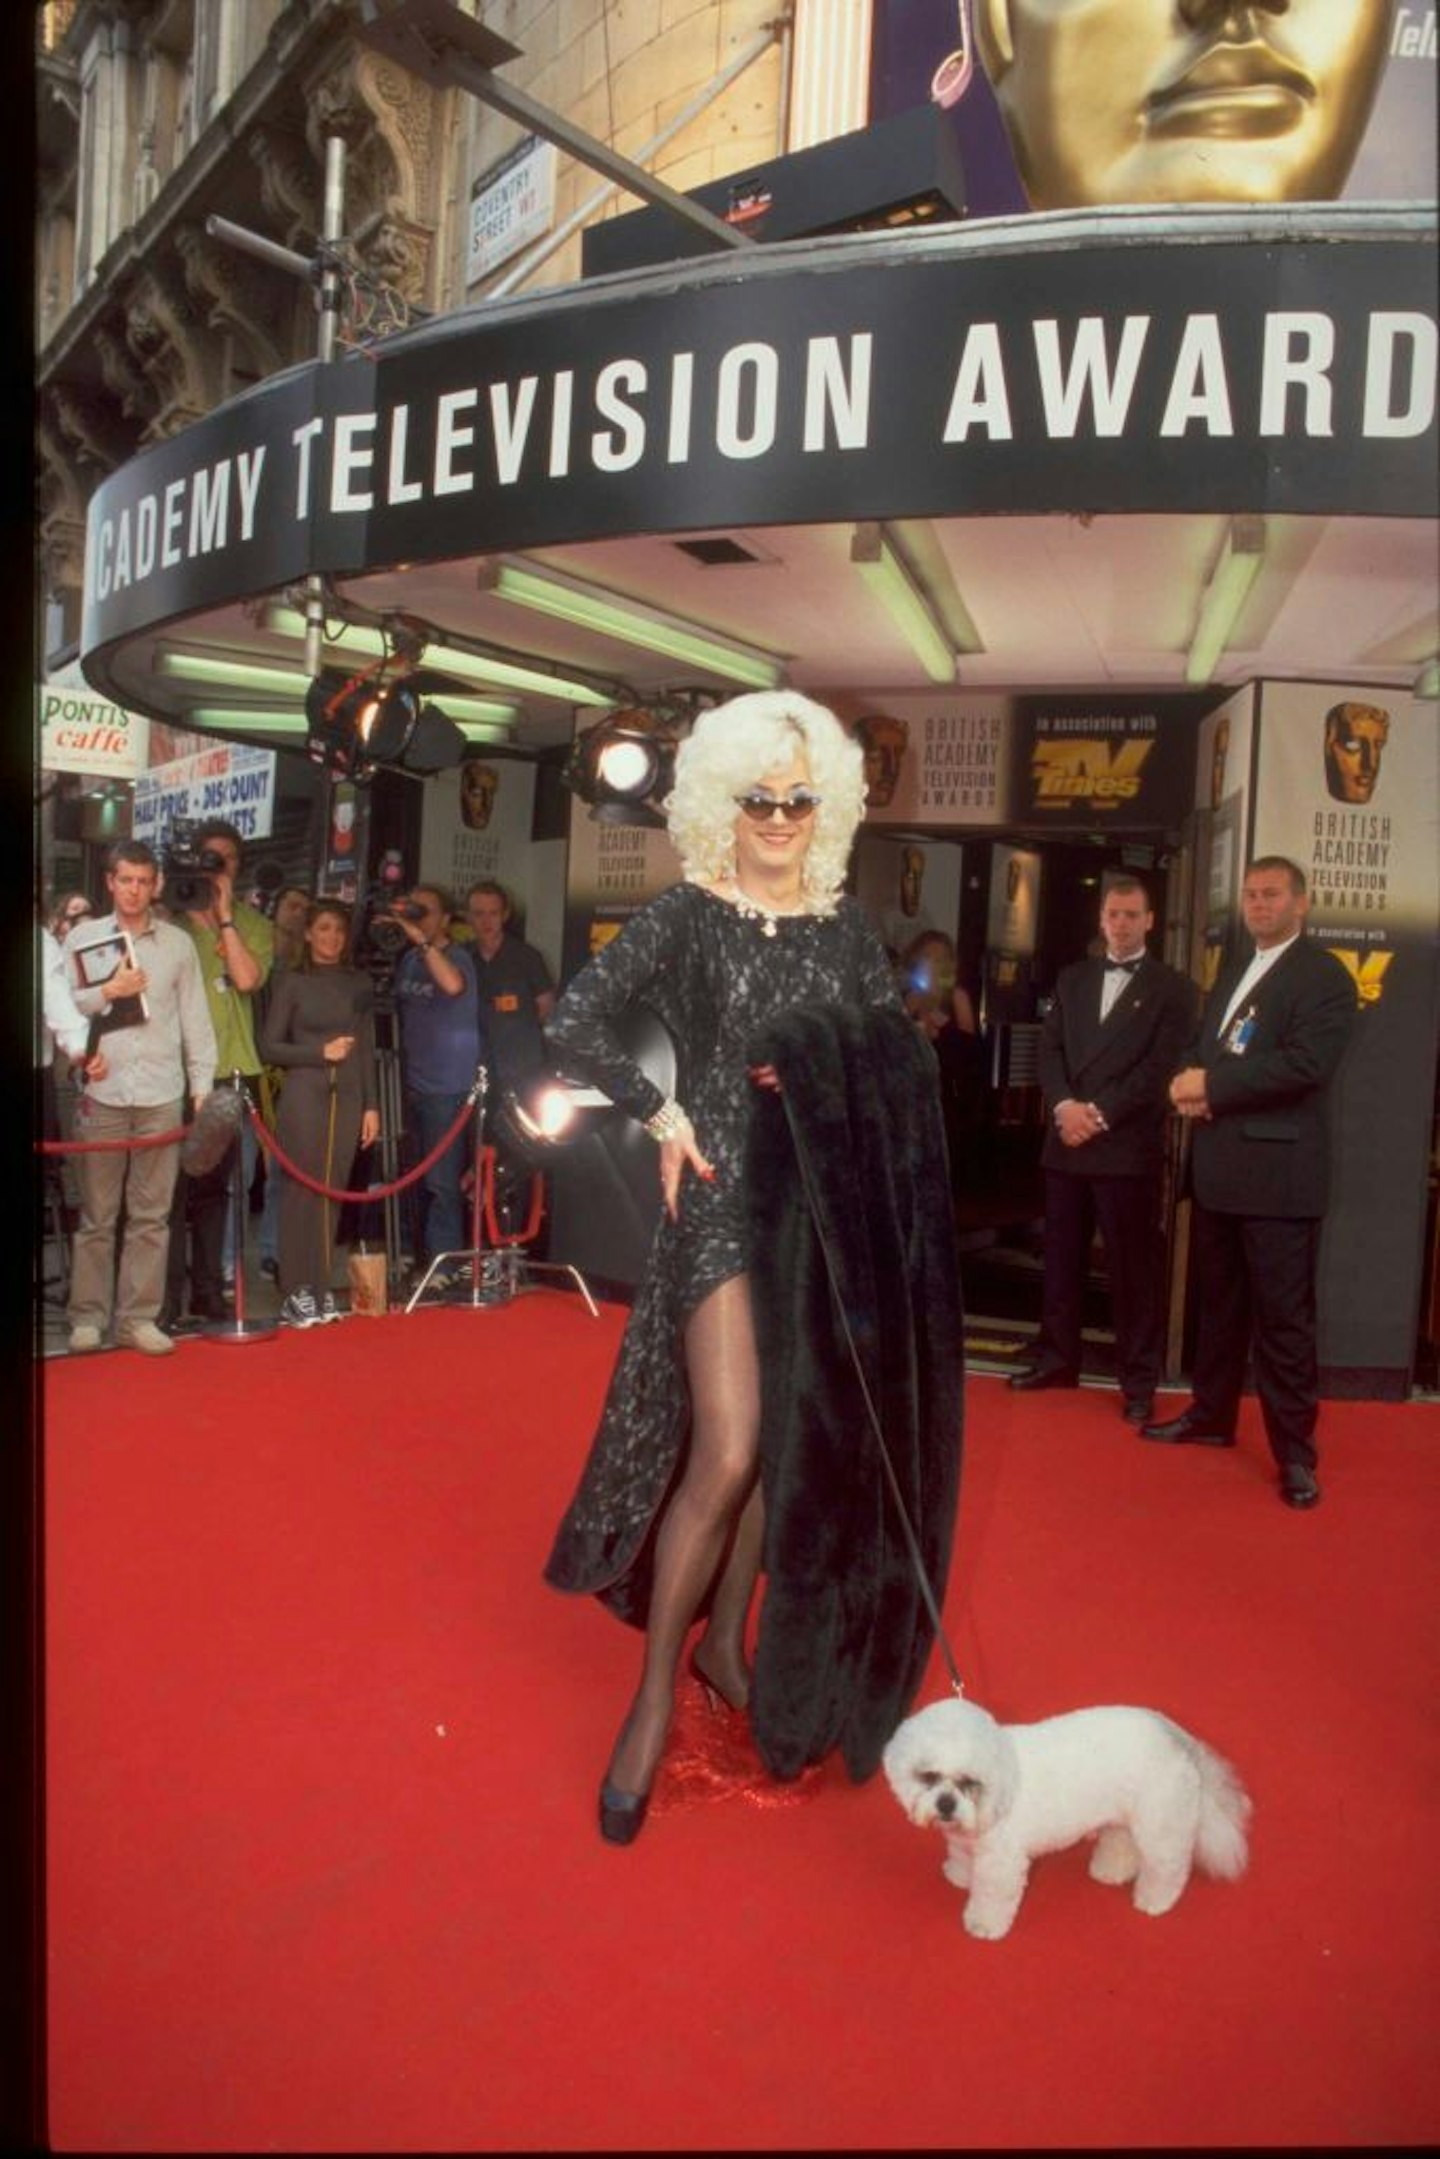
{"type": "Point", "coordinates": [1219, 752]}
{"type": "Point", "coordinates": [1355, 738]}
{"type": "Point", "coordinates": [1114, 101]}
{"type": "Point", "coordinates": [1367, 971]}
{"type": "Point", "coordinates": [479, 784]}
{"type": "Point", "coordinates": [883, 740]}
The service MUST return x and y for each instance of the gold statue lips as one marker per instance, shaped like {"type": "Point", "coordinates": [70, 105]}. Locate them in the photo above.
{"type": "Point", "coordinates": [1231, 90]}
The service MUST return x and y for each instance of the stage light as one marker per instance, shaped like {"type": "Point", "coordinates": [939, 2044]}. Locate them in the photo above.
{"type": "Point", "coordinates": [548, 1116]}
{"type": "Point", "coordinates": [358, 724]}
{"type": "Point", "coordinates": [632, 623]}
{"type": "Point", "coordinates": [1225, 595]}
{"type": "Point", "coordinates": [623, 766]}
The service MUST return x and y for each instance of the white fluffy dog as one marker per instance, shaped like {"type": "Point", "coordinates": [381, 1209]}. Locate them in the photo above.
{"type": "Point", "coordinates": [1155, 1798]}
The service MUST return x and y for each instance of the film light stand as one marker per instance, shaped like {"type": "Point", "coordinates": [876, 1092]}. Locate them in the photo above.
{"type": "Point", "coordinates": [497, 1273]}
{"type": "Point", "coordinates": [239, 1329]}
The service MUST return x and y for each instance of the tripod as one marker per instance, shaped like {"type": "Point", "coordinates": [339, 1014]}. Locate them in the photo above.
{"type": "Point", "coordinates": [499, 1273]}
{"type": "Point", "coordinates": [239, 1329]}
{"type": "Point", "coordinates": [392, 1128]}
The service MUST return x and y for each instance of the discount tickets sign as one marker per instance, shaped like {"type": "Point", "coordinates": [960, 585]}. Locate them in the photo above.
{"type": "Point", "coordinates": [231, 780]}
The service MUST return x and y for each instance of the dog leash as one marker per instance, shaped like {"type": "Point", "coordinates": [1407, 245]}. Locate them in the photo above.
{"type": "Point", "coordinates": [912, 1542]}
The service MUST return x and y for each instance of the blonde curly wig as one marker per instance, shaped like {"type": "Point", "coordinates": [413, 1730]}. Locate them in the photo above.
{"type": "Point", "coordinates": [734, 746]}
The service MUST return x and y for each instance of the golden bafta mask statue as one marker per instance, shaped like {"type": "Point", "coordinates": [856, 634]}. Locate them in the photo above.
{"type": "Point", "coordinates": [1114, 101]}
{"type": "Point", "coordinates": [1355, 739]}
{"type": "Point", "coordinates": [883, 740]}
{"type": "Point", "coordinates": [478, 786]}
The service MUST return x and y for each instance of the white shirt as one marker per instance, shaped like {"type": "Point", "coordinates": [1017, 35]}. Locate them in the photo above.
{"type": "Point", "coordinates": [1113, 984]}
{"type": "Point", "coordinates": [150, 1064]}
{"type": "Point", "coordinates": [1259, 967]}
{"type": "Point", "coordinates": [61, 1019]}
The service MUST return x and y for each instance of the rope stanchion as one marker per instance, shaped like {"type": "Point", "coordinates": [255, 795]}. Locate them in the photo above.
{"type": "Point", "coordinates": [239, 1328]}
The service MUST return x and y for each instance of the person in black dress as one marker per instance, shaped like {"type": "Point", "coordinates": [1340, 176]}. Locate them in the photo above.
{"type": "Point", "coordinates": [940, 1006]}
{"type": "Point", "coordinates": [320, 1031]}
{"type": "Point", "coordinates": [667, 1520]}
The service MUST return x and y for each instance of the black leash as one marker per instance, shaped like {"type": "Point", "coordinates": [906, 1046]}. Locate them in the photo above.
{"type": "Point", "coordinates": [912, 1542]}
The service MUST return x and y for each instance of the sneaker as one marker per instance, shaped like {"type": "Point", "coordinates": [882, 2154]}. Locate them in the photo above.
{"type": "Point", "coordinates": [300, 1309]}
{"type": "Point", "coordinates": [270, 1270]}
{"type": "Point", "coordinates": [84, 1338]}
{"type": "Point", "coordinates": [329, 1309]}
{"type": "Point", "coordinates": [143, 1334]}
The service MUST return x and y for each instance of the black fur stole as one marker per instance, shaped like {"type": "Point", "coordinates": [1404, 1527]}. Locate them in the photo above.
{"type": "Point", "coordinates": [844, 1633]}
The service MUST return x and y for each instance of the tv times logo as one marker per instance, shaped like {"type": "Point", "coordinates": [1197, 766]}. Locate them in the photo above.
{"type": "Point", "coordinates": [1094, 770]}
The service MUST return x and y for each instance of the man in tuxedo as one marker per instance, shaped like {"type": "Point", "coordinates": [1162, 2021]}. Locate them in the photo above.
{"type": "Point", "coordinates": [1254, 1088]}
{"type": "Point", "coordinates": [1110, 1038]}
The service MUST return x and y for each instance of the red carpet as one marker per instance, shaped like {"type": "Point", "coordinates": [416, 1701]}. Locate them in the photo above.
{"type": "Point", "coordinates": [322, 1752]}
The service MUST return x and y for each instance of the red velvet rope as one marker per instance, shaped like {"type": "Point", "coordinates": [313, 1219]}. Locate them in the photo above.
{"type": "Point", "coordinates": [272, 1146]}
{"type": "Point", "coordinates": [110, 1146]}
{"type": "Point", "coordinates": [498, 1238]}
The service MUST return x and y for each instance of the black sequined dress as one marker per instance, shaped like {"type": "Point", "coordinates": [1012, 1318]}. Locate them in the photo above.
{"type": "Point", "coordinates": [714, 976]}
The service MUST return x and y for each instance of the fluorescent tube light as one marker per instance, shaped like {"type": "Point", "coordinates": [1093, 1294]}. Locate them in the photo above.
{"type": "Point", "coordinates": [234, 719]}
{"type": "Point", "coordinates": [632, 623]}
{"type": "Point", "coordinates": [215, 667]}
{"type": "Point", "coordinates": [1225, 595]}
{"type": "Point", "coordinates": [873, 554]}
{"type": "Point", "coordinates": [360, 641]}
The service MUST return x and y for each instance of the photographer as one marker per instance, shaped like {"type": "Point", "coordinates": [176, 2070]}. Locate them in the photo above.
{"type": "Point", "coordinates": [441, 1043]}
{"type": "Point", "coordinates": [235, 945]}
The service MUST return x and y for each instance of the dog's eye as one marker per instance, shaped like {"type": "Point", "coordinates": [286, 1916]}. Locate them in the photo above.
{"type": "Point", "coordinates": [970, 1788]}
{"type": "Point", "coordinates": [927, 1777]}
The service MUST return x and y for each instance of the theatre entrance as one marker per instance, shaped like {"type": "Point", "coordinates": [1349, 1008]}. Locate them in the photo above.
{"type": "Point", "coordinates": [1019, 907]}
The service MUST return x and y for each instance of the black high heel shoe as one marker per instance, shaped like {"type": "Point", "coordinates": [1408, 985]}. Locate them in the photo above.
{"type": "Point", "coordinates": [716, 1695]}
{"type": "Point", "coordinates": [622, 1814]}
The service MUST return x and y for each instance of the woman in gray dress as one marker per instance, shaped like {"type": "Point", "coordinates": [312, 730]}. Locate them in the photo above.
{"type": "Point", "coordinates": [320, 1030]}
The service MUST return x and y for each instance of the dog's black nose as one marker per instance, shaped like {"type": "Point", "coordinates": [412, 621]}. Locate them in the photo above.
{"type": "Point", "coordinates": [945, 1805]}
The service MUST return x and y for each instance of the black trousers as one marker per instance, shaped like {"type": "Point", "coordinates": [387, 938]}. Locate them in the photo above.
{"type": "Point", "coordinates": [1255, 1281]}
{"type": "Point", "coordinates": [1127, 1210]}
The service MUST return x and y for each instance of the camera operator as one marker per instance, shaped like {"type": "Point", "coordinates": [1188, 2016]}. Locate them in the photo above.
{"type": "Point", "coordinates": [441, 1043]}
{"type": "Point", "coordinates": [235, 945]}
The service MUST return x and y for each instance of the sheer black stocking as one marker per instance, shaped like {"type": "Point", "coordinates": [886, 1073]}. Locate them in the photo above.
{"type": "Point", "coordinates": [712, 1521]}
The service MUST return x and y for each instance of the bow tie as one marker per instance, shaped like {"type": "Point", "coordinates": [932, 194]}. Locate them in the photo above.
{"type": "Point", "coordinates": [1123, 967]}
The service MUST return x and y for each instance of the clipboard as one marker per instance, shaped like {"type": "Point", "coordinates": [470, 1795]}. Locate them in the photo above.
{"type": "Point", "coordinates": [95, 960]}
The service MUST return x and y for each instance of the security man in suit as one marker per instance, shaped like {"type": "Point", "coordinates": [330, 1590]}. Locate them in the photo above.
{"type": "Point", "coordinates": [1254, 1090]}
{"type": "Point", "coordinates": [1110, 1039]}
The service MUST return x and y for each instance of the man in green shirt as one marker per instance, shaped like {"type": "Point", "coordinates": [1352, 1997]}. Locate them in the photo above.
{"type": "Point", "coordinates": [235, 945]}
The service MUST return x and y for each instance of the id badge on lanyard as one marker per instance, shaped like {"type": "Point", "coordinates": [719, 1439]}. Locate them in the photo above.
{"type": "Point", "coordinates": [1237, 1036]}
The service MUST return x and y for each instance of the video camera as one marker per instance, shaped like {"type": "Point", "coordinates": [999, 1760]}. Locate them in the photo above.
{"type": "Point", "coordinates": [379, 939]}
{"type": "Point", "coordinates": [189, 870]}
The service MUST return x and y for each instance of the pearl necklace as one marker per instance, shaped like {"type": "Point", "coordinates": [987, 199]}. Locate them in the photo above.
{"type": "Point", "coordinates": [756, 910]}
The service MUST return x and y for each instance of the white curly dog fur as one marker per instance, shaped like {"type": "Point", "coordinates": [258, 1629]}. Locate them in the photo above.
{"type": "Point", "coordinates": [1156, 1799]}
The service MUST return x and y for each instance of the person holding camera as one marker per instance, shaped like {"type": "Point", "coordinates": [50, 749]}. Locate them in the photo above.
{"type": "Point", "coordinates": [235, 945]}
{"type": "Point", "coordinates": [437, 1001]}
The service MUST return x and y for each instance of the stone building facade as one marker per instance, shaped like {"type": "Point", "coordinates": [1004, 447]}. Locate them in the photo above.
{"type": "Point", "coordinates": [155, 115]}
